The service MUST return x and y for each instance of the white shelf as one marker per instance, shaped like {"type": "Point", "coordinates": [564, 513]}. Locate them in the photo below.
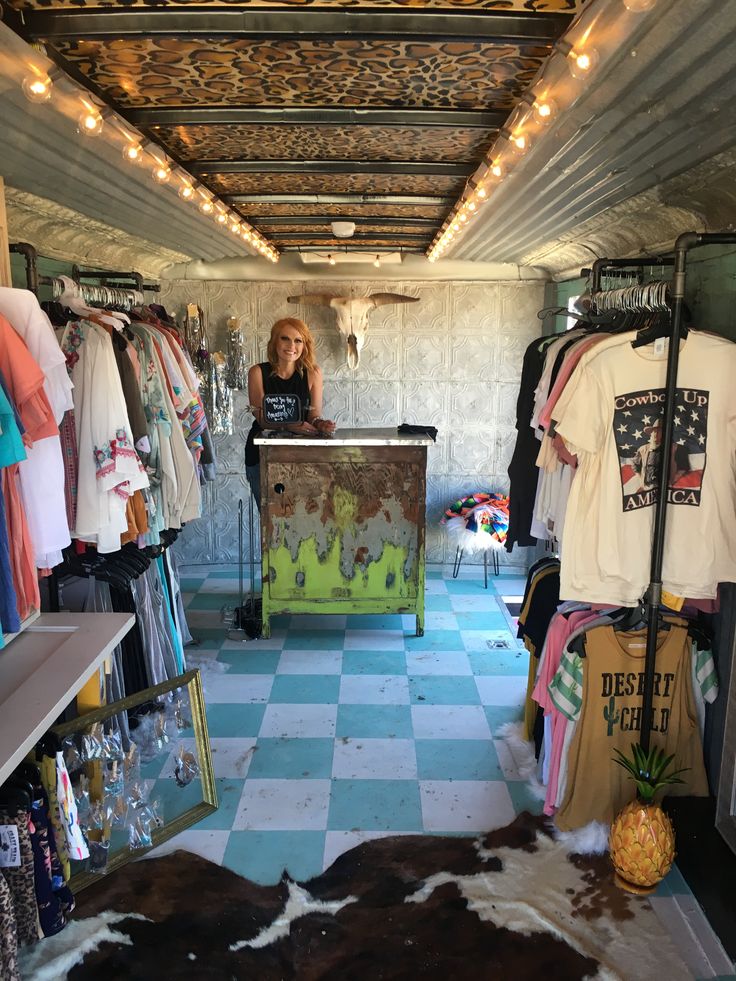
{"type": "Point", "coordinates": [44, 668]}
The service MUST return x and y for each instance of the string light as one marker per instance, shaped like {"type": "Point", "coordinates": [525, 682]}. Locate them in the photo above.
{"type": "Point", "coordinates": [90, 123]}
{"type": "Point", "coordinates": [377, 262]}
{"type": "Point", "coordinates": [544, 111]}
{"type": "Point", "coordinates": [582, 63]}
{"type": "Point", "coordinates": [37, 88]}
{"type": "Point", "coordinates": [331, 260]}
{"type": "Point", "coordinates": [133, 153]}
{"type": "Point", "coordinates": [161, 173]}
{"type": "Point", "coordinates": [519, 143]}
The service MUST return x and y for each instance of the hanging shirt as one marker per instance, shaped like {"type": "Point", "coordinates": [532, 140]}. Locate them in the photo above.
{"type": "Point", "coordinates": [24, 312]}
{"type": "Point", "coordinates": [109, 468]}
{"type": "Point", "coordinates": [610, 414]}
{"type": "Point", "coordinates": [610, 709]}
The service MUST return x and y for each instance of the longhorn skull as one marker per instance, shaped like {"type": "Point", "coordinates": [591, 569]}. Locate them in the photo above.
{"type": "Point", "coordinates": [352, 314]}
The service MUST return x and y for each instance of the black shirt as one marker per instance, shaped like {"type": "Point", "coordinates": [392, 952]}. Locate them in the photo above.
{"type": "Point", "coordinates": [274, 385]}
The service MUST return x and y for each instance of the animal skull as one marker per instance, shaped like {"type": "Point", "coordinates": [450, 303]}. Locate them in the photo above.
{"type": "Point", "coordinates": [352, 315]}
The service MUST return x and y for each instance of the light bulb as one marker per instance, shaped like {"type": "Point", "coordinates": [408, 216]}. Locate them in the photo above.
{"type": "Point", "coordinates": [186, 192]}
{"type": "Point", "coordinates": [133, 152]}
{"type": "Point", "coordinates": [449, 236]}
{"type": "Point", "coordinates": [481, 192]}
{"type": "Point", "coordinates": [161, 173]}
{"type": "Point", "coordinates": [639, 6]}
{"type": "Point", "coordinates": [206, 206]}
{"type": "Point", "coordinates": [221, 217]}
{"type": "Point", "coordinates": [90, 123]}
{"type": "Point", "coordinates": [377, 262]}
{"type": "Point", "coordinates": [471, 206]}
{"type": "Point", "coordinates": [456, 226]}
{"type": "Point", "coordinates": [496, 172]}
{"type": "Point", "coordinates": [544, 111]}
{"type": "Point", "coordinates": [519, 143]}
{"type": "Point", "coordinates": [582, 63]}
{"type": "Point", "coordinates": [463, 217]}
{"type": "Point", "coordinates": [37, 88]}
{"type": "Point", "coordinates": [331, 260]}
{"type": "Point", "coordinates": [235, 227]}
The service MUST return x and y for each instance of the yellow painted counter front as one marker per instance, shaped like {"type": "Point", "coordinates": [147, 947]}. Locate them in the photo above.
{"type": "Point", "coordinates": [342, 524]}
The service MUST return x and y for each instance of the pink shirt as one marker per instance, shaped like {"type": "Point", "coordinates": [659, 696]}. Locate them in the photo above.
{"type": "Point", "coordinates": [568, 366]}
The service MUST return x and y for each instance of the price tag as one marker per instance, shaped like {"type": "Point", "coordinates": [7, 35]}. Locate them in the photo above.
{"type": "Point", "coordinates": [9, 847]}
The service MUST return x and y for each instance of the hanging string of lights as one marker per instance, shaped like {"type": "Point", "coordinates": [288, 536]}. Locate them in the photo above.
{"type": "Point", "coordinates": [535, 111]}
{"type": "Point", "coordinates": [38, 86]}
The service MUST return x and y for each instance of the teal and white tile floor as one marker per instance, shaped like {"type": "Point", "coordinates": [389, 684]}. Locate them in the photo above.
{"type": "Point", "coordinates": [341, 729]}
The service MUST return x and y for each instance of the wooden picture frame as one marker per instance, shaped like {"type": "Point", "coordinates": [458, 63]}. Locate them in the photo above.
{"type": "Point", "coordinates": [192, 682]}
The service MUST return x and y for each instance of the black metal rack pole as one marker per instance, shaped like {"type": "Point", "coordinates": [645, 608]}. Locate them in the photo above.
{"type": "Point", "coordinates": [683, 244]}
{"type": "Point", "coordinates": [31, 256]}
{"type": "Point", "coordinates": [80, 274]}
{"type": "Point", "coordinates": [639, 262]}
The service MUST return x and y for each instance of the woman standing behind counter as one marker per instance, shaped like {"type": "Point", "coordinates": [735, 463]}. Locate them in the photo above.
{"type": "Point", "coordinates": [291, 369]}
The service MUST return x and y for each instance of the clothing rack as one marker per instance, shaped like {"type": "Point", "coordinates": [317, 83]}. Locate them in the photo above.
{"type": "Point", "coordinates": [107, 278]}
{"type": "Point", "coordinates": [684, 243]}
{"type": "Point", "coordinates": [110, 280]}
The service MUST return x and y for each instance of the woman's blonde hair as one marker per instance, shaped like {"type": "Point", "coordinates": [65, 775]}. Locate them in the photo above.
{"type": "Point", "coordinates": [307, 359]}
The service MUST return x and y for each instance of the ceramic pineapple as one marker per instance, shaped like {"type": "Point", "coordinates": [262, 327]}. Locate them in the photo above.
{"type": "Point", "coordinates": [642, 839]}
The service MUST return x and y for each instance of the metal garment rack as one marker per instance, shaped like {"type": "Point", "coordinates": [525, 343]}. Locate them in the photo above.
{"type": "Point", "coordinates": [683, 245]}
{"type": "Point", "coordinates": [112, 280]}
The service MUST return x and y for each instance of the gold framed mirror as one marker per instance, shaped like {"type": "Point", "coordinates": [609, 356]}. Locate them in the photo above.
{"type": "Point", "coordinates": [141, 772]}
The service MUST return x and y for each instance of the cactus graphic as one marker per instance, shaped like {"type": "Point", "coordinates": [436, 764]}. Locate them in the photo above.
{"type": "Point", "coordinates": [611, 715]}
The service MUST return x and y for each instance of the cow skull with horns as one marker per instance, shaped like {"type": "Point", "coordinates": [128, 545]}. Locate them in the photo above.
{"type": "Point", "coordinates": [352, 314]}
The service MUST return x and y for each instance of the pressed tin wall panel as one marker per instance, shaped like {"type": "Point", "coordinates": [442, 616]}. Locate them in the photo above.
{"type": "Point", "coordinates": [452, 360]}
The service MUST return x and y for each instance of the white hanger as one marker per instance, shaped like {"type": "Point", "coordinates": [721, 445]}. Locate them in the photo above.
{"type": "Point", "coordinates": [71, 298]}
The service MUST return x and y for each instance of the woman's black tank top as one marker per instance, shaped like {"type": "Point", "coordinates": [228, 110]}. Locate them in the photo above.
{"type": "Point", "coordinates": [273, 385]}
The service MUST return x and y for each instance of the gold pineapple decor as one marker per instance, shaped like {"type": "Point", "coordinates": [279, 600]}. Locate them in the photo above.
{"type": "Point", "coordinates": [642, 839]}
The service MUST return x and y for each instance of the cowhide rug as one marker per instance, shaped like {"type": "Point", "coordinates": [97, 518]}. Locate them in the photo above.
{"type": "Point", "coordinates": [512, 904]}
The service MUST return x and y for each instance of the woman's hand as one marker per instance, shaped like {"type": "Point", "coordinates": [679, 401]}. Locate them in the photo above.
{"type": "Point", "coordinates": [324, 425]}
{"type": "Point", "coordinates": [305, 428]}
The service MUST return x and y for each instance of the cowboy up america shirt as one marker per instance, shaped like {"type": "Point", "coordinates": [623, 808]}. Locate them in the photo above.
{"type": "Point", "coordinates": [611, 415]}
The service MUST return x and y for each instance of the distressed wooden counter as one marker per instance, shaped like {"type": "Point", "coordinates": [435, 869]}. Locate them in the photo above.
{"type": "Point", "coordinates": [342, 523]}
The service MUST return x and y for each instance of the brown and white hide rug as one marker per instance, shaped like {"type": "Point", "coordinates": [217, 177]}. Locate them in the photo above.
{"type": "Point", "coordinates": [511, 904]}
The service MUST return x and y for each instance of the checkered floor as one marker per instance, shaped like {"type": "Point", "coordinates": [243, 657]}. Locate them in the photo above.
{"type": "Point", "coordinates": [343, 728]}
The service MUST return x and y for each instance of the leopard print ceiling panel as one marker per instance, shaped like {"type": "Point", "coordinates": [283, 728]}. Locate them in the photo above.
{"type": "Point", "coordinates": [401, 184]}
{"type": "Point", "coordinates": [338, 244]}
{"type": "Point", "coordinates": [257, 209]}
{"type": "Point", "coordinates": [161, 71]}
{"type": "Point", "coordinates": [276, 231]}
{"type": "Point", "coordinates": [291, 142]}
{"type": "Point", "coordinates": [533, 6]}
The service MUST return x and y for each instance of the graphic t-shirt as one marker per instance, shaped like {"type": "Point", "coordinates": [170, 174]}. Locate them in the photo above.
{"type": "Point", "coordinates": [610, 718]}
{"type": "Point", "coordinates": [611, 416]}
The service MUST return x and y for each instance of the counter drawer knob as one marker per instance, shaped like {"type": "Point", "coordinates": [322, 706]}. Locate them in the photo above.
{"type": "Point", "coordinates": [279, 488]}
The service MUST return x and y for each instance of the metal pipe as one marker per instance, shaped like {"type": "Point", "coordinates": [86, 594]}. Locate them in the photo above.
{"type": "Point", "coordinates": [108, 274]}
{"type": "Point", "coordinates": [31, 256]}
